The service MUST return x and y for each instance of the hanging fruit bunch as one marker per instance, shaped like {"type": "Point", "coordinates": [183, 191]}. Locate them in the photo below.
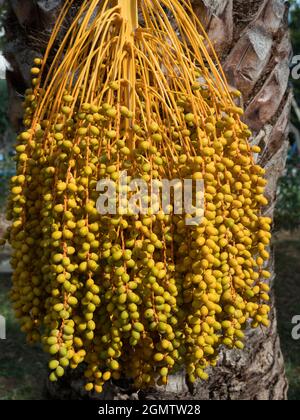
{"type": "Point", "coordinates": [135, 295]}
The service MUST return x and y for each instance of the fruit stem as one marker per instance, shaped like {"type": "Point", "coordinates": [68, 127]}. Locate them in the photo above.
{"type": "Point", "coordinates": [129, 11]}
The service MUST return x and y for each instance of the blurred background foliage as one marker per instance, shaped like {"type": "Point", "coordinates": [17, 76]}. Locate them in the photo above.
{"type": "Point", "coordinates": [287, 215]}
{"type": "Point", "coordinates": [6, 134]}
{"type": "Point", "coordinates": [6, 145]}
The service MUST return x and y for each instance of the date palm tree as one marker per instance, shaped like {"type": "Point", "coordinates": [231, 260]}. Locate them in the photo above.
{"type": "Point", "coordinates": [253, 43]}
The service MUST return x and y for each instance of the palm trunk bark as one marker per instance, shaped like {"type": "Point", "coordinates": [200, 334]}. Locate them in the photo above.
{"type": "Point", "coordinates": [253, 42]}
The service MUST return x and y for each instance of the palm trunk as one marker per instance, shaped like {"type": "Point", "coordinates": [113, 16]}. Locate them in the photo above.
{"type": "Point", "coordinates": [253, 42]}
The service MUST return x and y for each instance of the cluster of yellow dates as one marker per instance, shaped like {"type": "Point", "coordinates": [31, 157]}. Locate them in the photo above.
{"type": "Point", "coordinates": [136, 296]}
